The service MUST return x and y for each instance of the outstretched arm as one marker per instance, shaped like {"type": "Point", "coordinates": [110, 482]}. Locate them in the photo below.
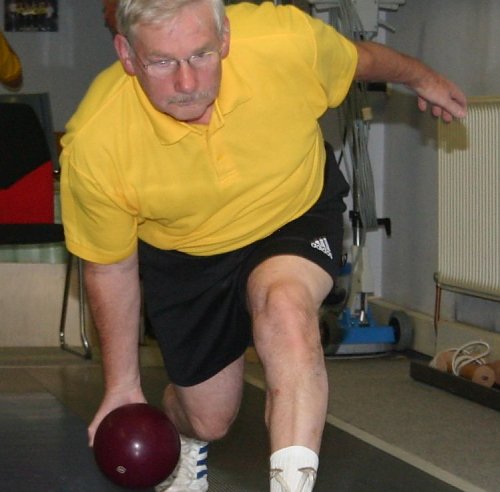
{"type": "Point", "coordinates": [114, 297]}
{"type": "Point", "coordinates": [379, 63]}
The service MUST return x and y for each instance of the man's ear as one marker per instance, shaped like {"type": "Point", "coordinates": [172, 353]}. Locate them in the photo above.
{"type": "Point", "coordinates": [226, 38]}
{"type": "Point", "coordinates": [123, 50]}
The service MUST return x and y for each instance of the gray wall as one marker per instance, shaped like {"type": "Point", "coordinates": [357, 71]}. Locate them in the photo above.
{"type": "Point", "coordinates": [63, 63]}
{"type": "Point", "coordinates": [461, 39]}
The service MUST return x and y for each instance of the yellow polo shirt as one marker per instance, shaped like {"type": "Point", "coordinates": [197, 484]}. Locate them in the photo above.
{"type": "Point", "coordinates": [129, 171]}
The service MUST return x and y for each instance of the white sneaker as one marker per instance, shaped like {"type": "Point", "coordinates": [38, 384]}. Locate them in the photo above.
{"type": "Point", "coordinates": [306, 483]}
{"type": "Point", "coordinates": [191, 473]}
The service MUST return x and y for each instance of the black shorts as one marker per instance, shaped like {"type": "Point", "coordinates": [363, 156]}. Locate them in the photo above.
{"type": "Point", "coordinates": [196, 304]}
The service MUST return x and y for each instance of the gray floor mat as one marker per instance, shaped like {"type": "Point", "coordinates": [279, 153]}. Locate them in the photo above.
{"type": "Point", "coordinates": [43, 448]}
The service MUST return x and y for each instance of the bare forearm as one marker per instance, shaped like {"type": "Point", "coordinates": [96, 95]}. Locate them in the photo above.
{"type": "Point", "coordinates": [378, 63]}
{"type": "Point", "coordinates": [114, 297]}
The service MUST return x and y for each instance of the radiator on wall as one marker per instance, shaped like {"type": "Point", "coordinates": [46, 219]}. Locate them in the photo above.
{"type": "Point", "coordinates": [469, 201]}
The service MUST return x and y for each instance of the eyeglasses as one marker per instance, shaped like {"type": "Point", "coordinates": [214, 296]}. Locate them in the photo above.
{"type": "Point", "coordinates": [164, 68]}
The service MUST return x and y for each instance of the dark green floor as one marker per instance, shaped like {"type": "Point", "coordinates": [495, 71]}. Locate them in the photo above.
{"type": "Point", "coordinates": [43, 416]}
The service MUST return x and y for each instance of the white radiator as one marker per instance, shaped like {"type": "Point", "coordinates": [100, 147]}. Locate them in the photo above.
{"type": "Point", "coordinates": [469, 201]}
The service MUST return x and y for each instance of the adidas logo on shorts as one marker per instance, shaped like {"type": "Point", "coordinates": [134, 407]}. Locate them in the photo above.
{"type": "Point", "coordinates": [322, 245]}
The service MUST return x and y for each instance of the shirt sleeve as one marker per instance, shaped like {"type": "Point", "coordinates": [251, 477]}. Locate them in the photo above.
{"type": "Point", "coordinates": [99, 222]}
{"type": "Point", "coordinates": [336, 61]}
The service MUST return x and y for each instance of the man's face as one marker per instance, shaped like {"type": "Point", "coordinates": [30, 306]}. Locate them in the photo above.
{"type": "Point", "coordinates": [188, 93]}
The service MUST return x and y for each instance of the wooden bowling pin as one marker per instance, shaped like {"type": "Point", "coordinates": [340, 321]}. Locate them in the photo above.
{"type": "Point", "coordinates": [478, 373]}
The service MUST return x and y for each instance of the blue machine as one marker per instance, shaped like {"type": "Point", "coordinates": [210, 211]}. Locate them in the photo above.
{"type": "Point", "coordinates": [347, 324]}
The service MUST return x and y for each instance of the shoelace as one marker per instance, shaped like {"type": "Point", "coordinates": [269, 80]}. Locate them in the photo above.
{"type": "Point", "coordinates": [276, 474]}
{"type": "Point", "coordinates": [306, 482]}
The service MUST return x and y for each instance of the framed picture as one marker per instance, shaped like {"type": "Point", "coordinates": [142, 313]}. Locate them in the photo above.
{"type": "Point", "coordinates": [30, 16]}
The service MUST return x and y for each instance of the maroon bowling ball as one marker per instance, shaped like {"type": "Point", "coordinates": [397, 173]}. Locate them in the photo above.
{"type": "Point", "coordinates": [136, 446]}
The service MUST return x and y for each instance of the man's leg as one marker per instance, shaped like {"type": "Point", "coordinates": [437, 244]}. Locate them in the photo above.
{"type": "Point", "coordinates": [206, 411]}
{"type": "Point", "coordinates": [202, 413]}
{"type": "Point", "coordinates": [284, 296]}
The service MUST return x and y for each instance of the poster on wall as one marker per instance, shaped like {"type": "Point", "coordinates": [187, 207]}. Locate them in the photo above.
{"type": "Point", "coordinates": [29, 16]}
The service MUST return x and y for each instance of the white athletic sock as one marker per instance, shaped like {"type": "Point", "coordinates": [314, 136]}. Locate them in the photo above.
{"type": "Point", "coordinates": [293, 469]}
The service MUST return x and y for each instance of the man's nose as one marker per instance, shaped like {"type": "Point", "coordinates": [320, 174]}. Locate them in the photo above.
{"type": "Point", "coordinates": [186, 78]}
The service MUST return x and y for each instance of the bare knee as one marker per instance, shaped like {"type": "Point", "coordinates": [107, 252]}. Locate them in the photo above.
{"type": "Point", "coordinates": [286, 317]}
{"type": "Point", "coordinates": [206, 411]}
{"type": "Point", "coordinates": [205, 421]}
{"type": "Point", "coordinates": [212, 425]}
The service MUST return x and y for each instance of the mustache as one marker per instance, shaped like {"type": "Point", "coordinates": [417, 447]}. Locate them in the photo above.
{"type": "Point", "coordinates": [190, 98]}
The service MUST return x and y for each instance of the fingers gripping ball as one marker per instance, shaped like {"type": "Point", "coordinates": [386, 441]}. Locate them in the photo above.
{"type": "Point", "coordinates": [136, 446]}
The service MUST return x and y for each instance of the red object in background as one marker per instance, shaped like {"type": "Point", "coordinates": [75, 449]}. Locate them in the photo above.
{"type": "Point", "coordinates": [20, 205]}
{"type": "Point", "coordinates": [26, 168]}
{"type": "Point", "coordinates": [136, 446]}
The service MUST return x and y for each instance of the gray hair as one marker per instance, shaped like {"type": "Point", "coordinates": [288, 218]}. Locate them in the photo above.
{"type": "Point", "coordinates": [130, 13]}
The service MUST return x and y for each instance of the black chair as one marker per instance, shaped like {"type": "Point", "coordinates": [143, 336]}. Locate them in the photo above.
{"type": "Point", "coordinates": [40, 103]}
{"type": "Point", "coordinates": [27, 198]}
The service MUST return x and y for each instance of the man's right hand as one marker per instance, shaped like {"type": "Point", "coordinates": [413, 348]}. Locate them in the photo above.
{"type": "Point", "coordinates": [111, 401]}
